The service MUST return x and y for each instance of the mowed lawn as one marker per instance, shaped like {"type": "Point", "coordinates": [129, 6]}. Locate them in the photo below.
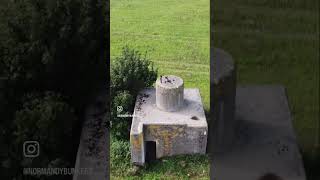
{"type": "Point", "coordinates": [277, 42]}
{"type": "Point", "coordinates": [175, 33]}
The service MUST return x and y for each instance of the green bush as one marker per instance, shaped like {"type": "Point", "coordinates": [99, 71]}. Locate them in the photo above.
{"type": "Point", "coordinates": [120, 127]}
{"type": "Point", "coordinates": [130, 73]}
{"type": "Point", "coordinates": [45, 118]}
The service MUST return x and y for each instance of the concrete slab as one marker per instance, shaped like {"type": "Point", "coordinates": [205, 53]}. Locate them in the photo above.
{"type": "Point", "coordinates": [181, 132]}
{"type": "Point", "coordinates": [265, 139]}
{"type": "Point", "coordinates": [92, 160]}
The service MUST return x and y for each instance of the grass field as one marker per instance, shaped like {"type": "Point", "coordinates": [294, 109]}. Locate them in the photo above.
{"type": "Point", "coordinates": [273, 42]}
{"type": "Point", "coordinates": [176, 36]}
{"type": "Point", "coordinates": [179, 167]}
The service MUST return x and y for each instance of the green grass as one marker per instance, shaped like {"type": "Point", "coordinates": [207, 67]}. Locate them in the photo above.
{"type": "Point", "coordinates": [176, 36]}
{"type": "Point", "coordinates": [178, 167]}
{"type": "Point", "coordinates": [277, 42]}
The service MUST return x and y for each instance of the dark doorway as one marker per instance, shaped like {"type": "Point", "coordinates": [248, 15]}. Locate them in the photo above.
{"type": "Point", "coordinates": [150, 151]}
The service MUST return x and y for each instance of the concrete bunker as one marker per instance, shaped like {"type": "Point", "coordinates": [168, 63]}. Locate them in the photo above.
{"type": "Point", "coordinates": [167, 120]}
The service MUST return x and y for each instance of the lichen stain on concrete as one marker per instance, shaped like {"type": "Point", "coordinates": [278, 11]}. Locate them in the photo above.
{"type": "Point", "coordinates": [136, 141]}
{"type": "Point", "coordinates": [166, 134]}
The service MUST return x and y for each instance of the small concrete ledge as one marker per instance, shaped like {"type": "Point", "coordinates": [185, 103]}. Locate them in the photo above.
{"type": "Point", "coordinates": [265, 141]}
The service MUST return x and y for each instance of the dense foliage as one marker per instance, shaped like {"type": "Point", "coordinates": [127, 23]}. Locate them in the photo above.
{"type": "Point", "coordinates": [48, 120]}
{"type": "Point", "coordinates": [56, 45]}
{"type": "Point", "coordinates": [130, 72]}
{"type": "Point", "coordinates": [120, 155]}
{"type": "Point", "coordinates": [52, 58]}
{"type": "Point", "coordinates": [121, 124]}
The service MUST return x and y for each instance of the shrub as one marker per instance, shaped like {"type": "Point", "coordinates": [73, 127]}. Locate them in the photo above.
{"type": "Point", "coordinates": [129, 74]}
{"type": "Point", "coordinates": [132, 72]}
{"type": "Point", "coordinates": [121, 125]}
{"type": "Point", "coordinates": [48, 120]}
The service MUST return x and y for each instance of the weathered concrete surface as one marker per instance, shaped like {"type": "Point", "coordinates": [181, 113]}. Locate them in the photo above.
{"type": "Point", "coordinates": [93, 152]}
{"type": "Point", "coordinates": [180, 132]}
{"type": "Point", "coordinates": [265, 139]}
{"type": "Point", "coordinates": [169, 93]}
{"type": "Point", "coordinates": [224, 92]}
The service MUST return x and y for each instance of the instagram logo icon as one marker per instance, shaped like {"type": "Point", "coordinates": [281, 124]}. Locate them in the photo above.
{"type": "Point", "coordinates": [31, 149]}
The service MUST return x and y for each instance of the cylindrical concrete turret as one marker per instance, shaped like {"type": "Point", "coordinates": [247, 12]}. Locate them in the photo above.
{"type": "Point", "coordinates": [224, 92]}
{"type": "Point", "coordinates": [169, 93]}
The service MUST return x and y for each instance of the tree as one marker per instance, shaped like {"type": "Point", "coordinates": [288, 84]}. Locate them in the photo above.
{"type": "Point", "coordinates": [58, 46]}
